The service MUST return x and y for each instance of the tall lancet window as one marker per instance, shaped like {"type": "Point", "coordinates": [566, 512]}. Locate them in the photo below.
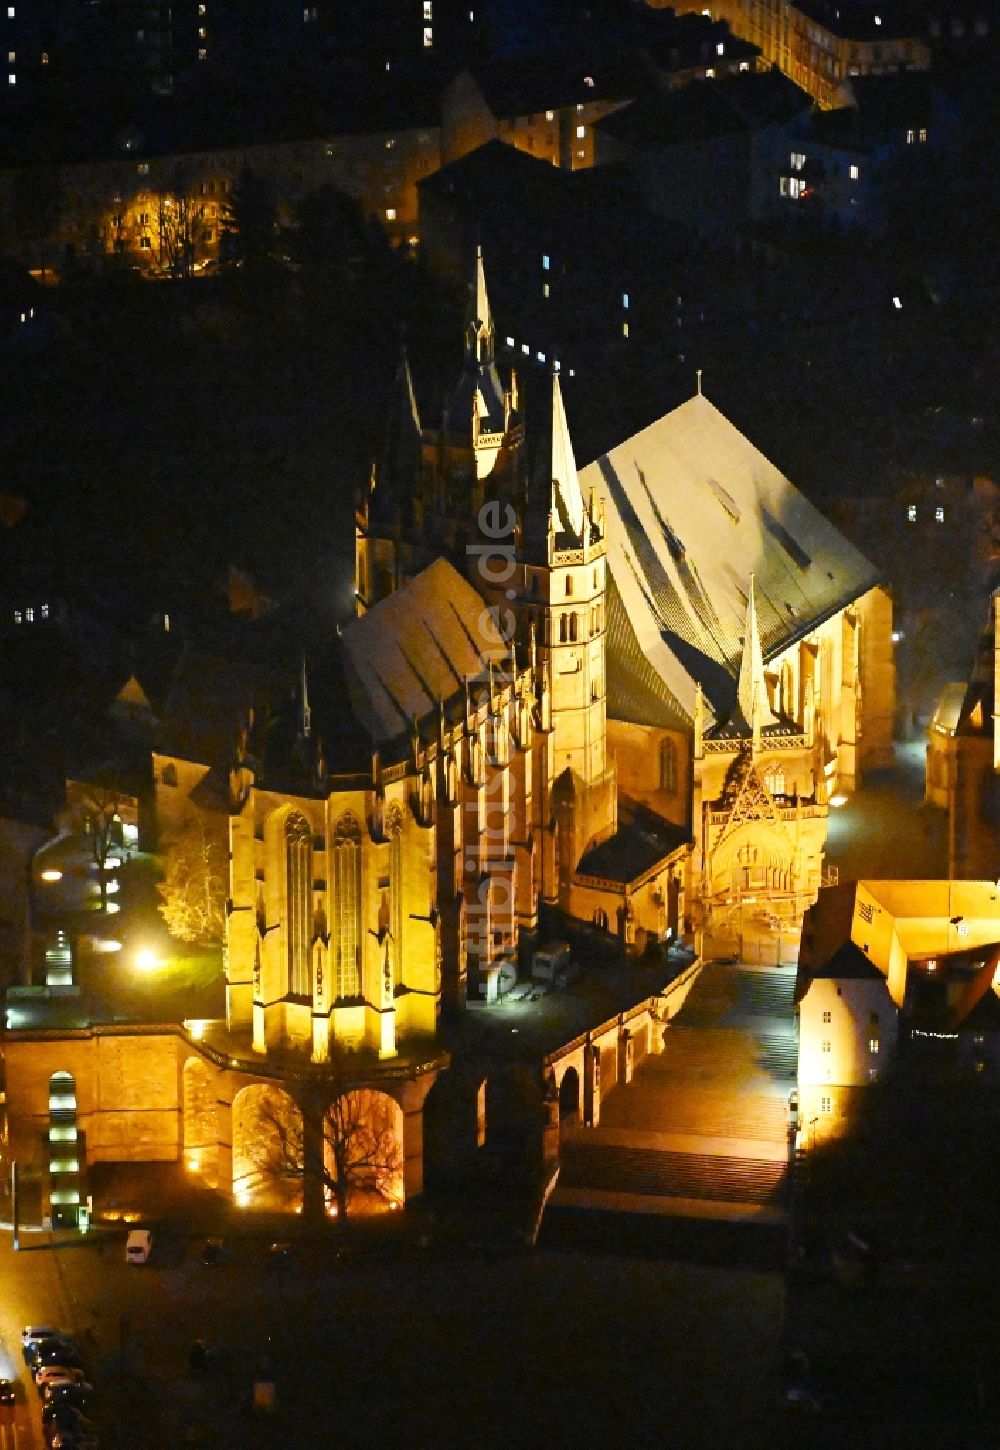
{"type": "Point", "coordinates": [668, 765]}
{"type": "Point", "coordinates": [346, 938]}
{"type": "Point", "coordinates": [394, 829]}
{"type": "Point", "coordinates": [298, 902]}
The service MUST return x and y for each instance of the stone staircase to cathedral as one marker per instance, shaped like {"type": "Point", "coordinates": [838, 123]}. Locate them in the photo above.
{"type": "Point", "coordinates": [702, 1129]}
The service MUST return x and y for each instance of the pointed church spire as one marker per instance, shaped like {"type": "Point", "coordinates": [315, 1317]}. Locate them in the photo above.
{"type": "Point", "coordinates": [566, 500]}
{"type": "Point", "coordinates": [751, 688]}
{"type": "Point", "coordinates": [395, 477]}
{"type": "Point", "coordinates": [305, 723]}
{"type": "Point", "coordinates": [479, 334]}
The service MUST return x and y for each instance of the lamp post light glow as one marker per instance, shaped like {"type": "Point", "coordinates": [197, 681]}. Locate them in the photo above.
{"type": "Point", "coordinates": [147, 959]}
{"type": "Point", "coordinates": [51, 873]}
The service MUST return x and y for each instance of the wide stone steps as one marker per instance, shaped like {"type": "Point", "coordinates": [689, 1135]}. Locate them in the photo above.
{"type": "Point", "coordinates": [705, 1176]}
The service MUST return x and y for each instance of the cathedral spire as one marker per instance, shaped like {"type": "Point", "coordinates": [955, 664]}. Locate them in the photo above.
{"type": "Point", "coordinates": [397, 472]}
{"type": "Point", "coordinates": [479, 333]}
{"type": "Point", "coordinates": [566, 503]}
{"type": "Point", "coordinates": [305, 722]}
{"type": "Point", "coordinates": [751, 688]}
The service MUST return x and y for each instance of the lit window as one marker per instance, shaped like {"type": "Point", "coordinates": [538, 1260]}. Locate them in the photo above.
{"type": "Point", "coordinates": [12, 79]}
{"type": "Point", "coordinates": [855, 173]}
{"type": "Point", "coordinates": [873, 1074]}
{"type": "Point", "coordinates": [428, 37]}
{"type": "Point", "coordinates": [962, 928]}
{"type": "Point", "coordinates": [710, 74]}
{"type": "Point", "coordinates": [509, 341]}
{"type": "Point", "coordinates": [939, 518]}
{"type": "Point", "coordinates": [12, 56]}
{"type": "Point", "coordinates": [202, 53]}
{"type": "Point", "coordinates": [826, 1047]}
{"type": "Point", "coordinates": [17, 616]}
{"type": "Point", "coordinates": [911, 136]}
{"type": "Point", "coordinates": [556, 364]}
{"type": "Point", "coordinates": [545, 289]}
{"type": "Point", "coordinates": [744, 65]}
{"type": "Point", "coordinates": [581, 131]}
{"type": "Point", "coordinates": [29, 615]}
{"type": "Point", "coordinates": [201, 9]}
{"type": "Point", "coordinates": [624, 329]}
{"type": "Point", "coordinates": [525, 349]}
{"type": "Point", "coordinates": [390, 142]}
{"type": "Point", "coordinates": [44, 611]}
{"type": "Point", "coordinates": [897, 302]}
{"type": "Point", "coordinates": [202, 32]}
{"type": "Point", "coordinates": [878, 20]}
{"type": "Point", "coordinates": [797, 160]}
{"type": "Point", "coordinates": [625, 300]}
{"type": "Point", "coordinates": [579, 105]}
{"type": "Point", "coordinates": [390, 213]}
{"type": "Point", "coordinates": [720, 49]}
{"type": "Point", "coordinates": [550, 115]}
{"type": "Point", "coordinates": [792, 186]}
{"type": "Point", "coordinates": [546, 262]}
{"type": "Point", "coordinates": [428, 10]}
{"type": "Point", "coordinates": [143, 168]}
{"type": "Point", "coordinates": [911, 513]}
{"type": "Point", "coordinates": [540, 356]}
{"type": "Point", "coordinates": [873, 1044]}
{"type": "Point", "coordinates": [472, 16]}
{"type": "Point", "coordinates": [922, 135]}
{"type": "Point", "coordinates": [10, 12]}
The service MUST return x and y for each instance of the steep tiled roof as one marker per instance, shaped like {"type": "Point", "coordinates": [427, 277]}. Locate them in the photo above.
{"type": "Point", "coordinates": [415, 648]}
{"type": "Point", "coordinates": [635, 691]}
{"type": "Point", "coordinates": [693, 509]}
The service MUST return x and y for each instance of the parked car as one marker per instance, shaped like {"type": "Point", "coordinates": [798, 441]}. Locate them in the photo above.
{"type": "Point", "coordinates": [69, 1395]}
{"type": "Point", "coordinates": [48, 1351]}
{"type": "Point", "coordinates": [8, 1392]}
{"type": "Point", "coordinates": [30, 1347]}
{"type": "Point", "coordinates": [38, 1331]}
{"type": "Point", "coordinates": [51, 1374]}
{"type": "Point", "coordinates": [56, 1352]}
{"type": "Point", "coordinates": [138, 1246]}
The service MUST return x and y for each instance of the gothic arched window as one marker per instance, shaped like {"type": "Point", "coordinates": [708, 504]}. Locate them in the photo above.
{"type": "Point", "coordinates": [298, 902]}
{"type": "Point", "coordinates": [668, 765]}
{"type": "Point", "coordinates": [394, 830]}
{"type": "Point", "coordinates": [346, 939]}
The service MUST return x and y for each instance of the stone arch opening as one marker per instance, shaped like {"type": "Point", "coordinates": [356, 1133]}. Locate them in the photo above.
{"type": "Point", "coordinates": [569, 1096]}
{"type": "Point", "coordinates": [268, 1149]}
{"type": "Point", "coordinates": [363, 1153]}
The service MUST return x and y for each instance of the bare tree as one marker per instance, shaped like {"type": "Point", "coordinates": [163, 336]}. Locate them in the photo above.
{"type": "Point", "coordinates": [346, 1142]}
{"type": "Point", "coordinates": [176, 218]}
{"type": "Point", "coordinates": [193, 890]}
{"type": "Point", "coordinates": [101, 807]}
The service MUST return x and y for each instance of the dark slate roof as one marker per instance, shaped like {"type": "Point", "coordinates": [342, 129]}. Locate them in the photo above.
{"type": "Point", "coordinates": [863, 19]}
{"type": "Point", "coordinates": [641, 841]}
{"type": "Point", "coordinates": [848, 961]}
{"type": "Point", "coordinates": [730, 106]}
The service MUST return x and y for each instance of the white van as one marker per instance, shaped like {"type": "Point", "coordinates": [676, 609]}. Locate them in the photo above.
{"type": "Point", "coordinates": [549, 960]}
{"type": "Point", "coordinates": [138, 1246]}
